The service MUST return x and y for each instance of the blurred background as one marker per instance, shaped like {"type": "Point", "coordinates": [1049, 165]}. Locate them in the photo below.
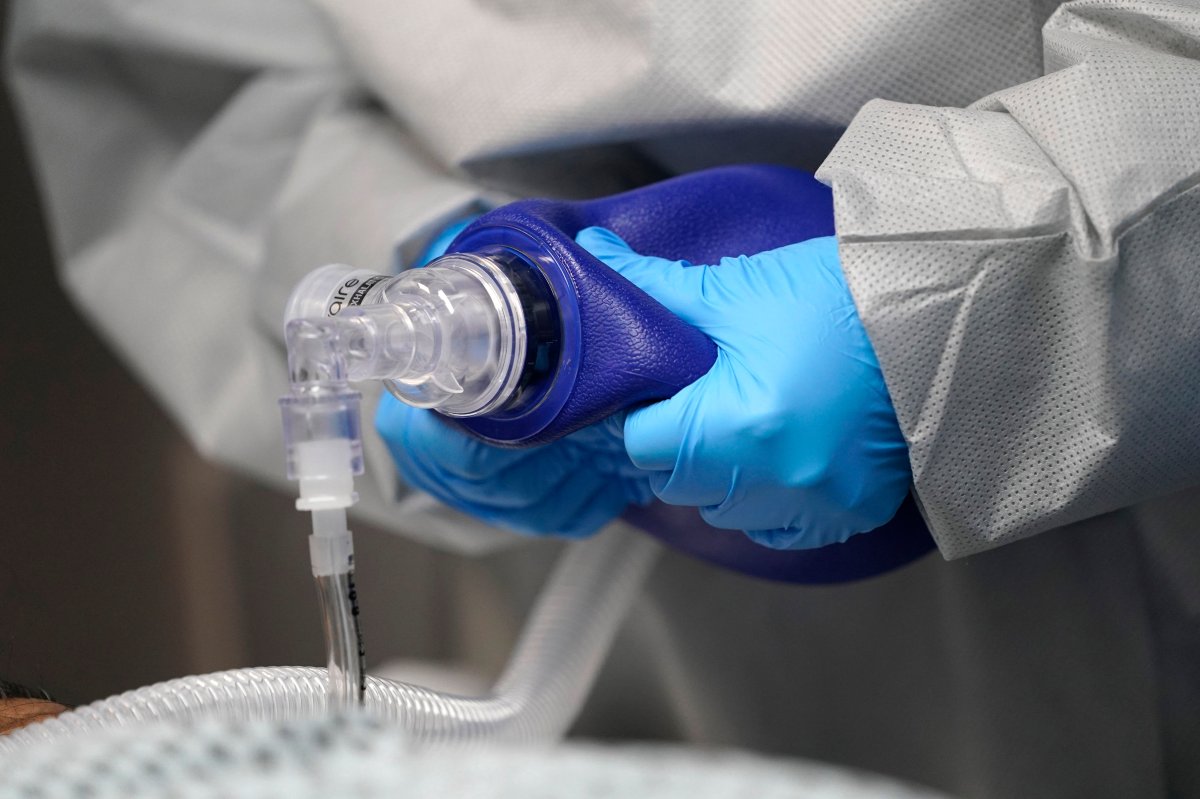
{"type": "Point", "coordinates": [126, 559]}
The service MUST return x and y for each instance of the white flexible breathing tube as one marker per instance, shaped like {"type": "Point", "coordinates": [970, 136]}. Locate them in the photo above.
{"type": "Point", "coordinates": [549, 675]}
{"type": "Point", "coordinates": [547, 679]}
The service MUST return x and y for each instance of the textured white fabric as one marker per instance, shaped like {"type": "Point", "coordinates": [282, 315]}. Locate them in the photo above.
{"type": "Point", "coordinates": [197, 159]}
{"type": "Point", "coordinates": [197, 156]}
{"type": "Point", "coordinates": [357, 758]}
{"type": "Point", "coordinates": [1029, 272]}
{"type": "Point", "coordinates": [182, 162]}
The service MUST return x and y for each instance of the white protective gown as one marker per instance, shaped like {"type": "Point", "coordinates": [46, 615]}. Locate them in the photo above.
{"type": "Point", "coordinates": [1018, 203]}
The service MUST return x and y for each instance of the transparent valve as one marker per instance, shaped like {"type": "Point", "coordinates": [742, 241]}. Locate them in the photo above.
{"type": "Point", "coordinates": [450, 336]}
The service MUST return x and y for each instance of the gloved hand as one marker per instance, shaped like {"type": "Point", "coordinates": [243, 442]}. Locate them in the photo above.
{"type": "Point", "coordinates": [791, 436]}
{"type": "Point", "coordinates": [570, 487]}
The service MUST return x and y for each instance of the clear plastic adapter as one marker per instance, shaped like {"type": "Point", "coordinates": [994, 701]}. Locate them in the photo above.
{"type": "Point", "coordinates": [449, 336]}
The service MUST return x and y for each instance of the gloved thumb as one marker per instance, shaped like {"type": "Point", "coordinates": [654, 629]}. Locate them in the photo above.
{"type": "Point", "coordinates": [654, 434]}
{"type": "Point", "coordinates": [676, 284]}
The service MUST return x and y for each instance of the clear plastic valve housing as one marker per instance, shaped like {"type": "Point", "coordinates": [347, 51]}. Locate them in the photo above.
{"type": "Point", "coordinates": [449, 336]}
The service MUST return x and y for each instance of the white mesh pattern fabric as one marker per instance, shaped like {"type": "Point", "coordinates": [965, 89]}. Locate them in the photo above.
{"type": "Point", "coordinates": [625, 70]}
{"type": "Point", "coordinates": [226, 166]}
{"type": "Point", "coordinates": [1029, 273]}
{"type": "Point", "coordinates": [358, 758]}
{"type": "Point", "coordinates": [244, 144]}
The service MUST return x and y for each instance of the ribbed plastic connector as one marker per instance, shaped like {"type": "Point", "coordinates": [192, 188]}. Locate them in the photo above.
{"type": "Point", "coordinates": [450, 336]}
{"type": "Point", "coordinates": [323, 446]}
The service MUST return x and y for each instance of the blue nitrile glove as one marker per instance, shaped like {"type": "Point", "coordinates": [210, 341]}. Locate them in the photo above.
{"type": "Point", "coordinates": [570, 487]}
{"type": "Point", "coordinates": [791, 436]}
{"type": "Point", "coordinates": [441, 242]}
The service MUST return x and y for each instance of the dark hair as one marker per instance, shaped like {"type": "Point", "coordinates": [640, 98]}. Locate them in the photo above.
{"type": "Point", "coordinates": [11, 691]}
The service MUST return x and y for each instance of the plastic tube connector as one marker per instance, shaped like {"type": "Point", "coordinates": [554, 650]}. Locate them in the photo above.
{"type": "Point", "coordinates": [325, 470]}
{"type": "Point", "coordinates": [321, 431]}
{"type": "Point", "coordinates": [451, 336]}
{"type": "Point", "coordinates": [330, 547]}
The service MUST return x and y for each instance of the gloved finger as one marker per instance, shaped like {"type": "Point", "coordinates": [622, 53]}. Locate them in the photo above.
{"type": "Point", "coordinates": [529, 484]}
{"type": "Point", "coordinates": [692, 488]}
{"type": "Point", "coordinates": [580, 506]}
{"type": "Point", "coordinates": [787, 538]}
{"type": "Point", "coordinates": [763, 513]}
{"type": "Point", "coordinates": [601, 446]}
{"type": "Point", "coordinates": [524, 485]}
{"type": "Point", "coordinates": [419, 476]}
{"type": "Point", "coordinates": [406, 429]}
{"type": "Point", "coordinates": [607, 504]}
{"type": "Point", "coordinates": [637, 490]}
{"type": "Point", "coordinates": [766, 521]}
{"type": "Point", "coordinates": [779, 539]}
{"type": "Point", "coordinates": [605, 435]}
{"type": "Point", "coordinates": [486, 502]}
{"type": "Point", "coordinates": [654, 435]}
{"type": "Point", "coordinates": [575, 513]}
{"type": "Point", "coordinates": [677, 285]}
{"type": "Point", "coordinates": [548, 487]}
{"type": "Point", "coordinates": [548, 490]}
